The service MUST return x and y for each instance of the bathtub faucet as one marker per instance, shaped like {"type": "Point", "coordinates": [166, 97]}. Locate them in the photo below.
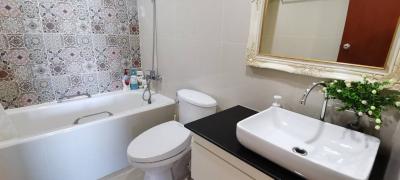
{"type": "Point", "coordinates": [64, 97]}
{"type": "Point", "coordinates": [152, 75]}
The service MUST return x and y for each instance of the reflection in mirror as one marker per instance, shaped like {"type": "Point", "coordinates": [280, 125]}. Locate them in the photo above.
{"type": "Point", "coordinates": [359, 32]}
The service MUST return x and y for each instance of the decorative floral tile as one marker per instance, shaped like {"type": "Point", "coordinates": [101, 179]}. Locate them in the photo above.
{"type": "Point", "coordinates": [76, 80]}
{"type": "Point", "coordinates": [33, 25]}
{"type": "Point", "coordinates": [134, 28]}
{"type": "Point", "coordinates": [15, 40]}
{"type": "Point", "coordinates": [37, 56]}
{"type": "Point", "coordinates": [91, 89]}
{"type": "Point", "coordinates": [108, 3]}
{"type": "Point", "coordinates": [110, 28]}
{"type": "Point", "coordinates": [122, 4]}
{"type": "Point", "coordinates": [100, 54]}
{"type": "Point", "coordinates": [122, 16]}
{"type": "Point", "coordinates": [27, 99]}
{"type": "Point", "coordinates": [58, 69]}
{"type": "Point", "coordinates": [90, 79]}
{"type": "Point", "coordinates": [9, 93]}
{"type": "Point", "coordinates": [65, 10]}
{"type": "Point", "coordinates": [6, 71]}
{"type": "Point", "coordinates": [82, 12]}
{"type": "Point", "coordinates": [103, 65]}
{"type": "Point", "coordinates": [71, 55]}
{"type": "Point", "coordinates": [125, 54]}
{"type": "Point", "coordinates": [99, 41]}
{"type": "Point", "coordinates": [30, 9]}
{"type": "Point", "coordinates": [68, 26]}
{"type": "Point", "coordinates": [111, 40]}
{"type": "Point", "coordinates": [53, 41]}
{"type": "Point", "coordinates": [3, 42]}
{"type": "Point", "coordinates": [83, 27]}
{"type": "Point", "coordinates": [47, 9]}
{"type": "Point", "coordinates": [55, 55]}
{"type": "Point", "coordinates": [116, 67]}
{"type": "Point", "coordinates": [18, 57]}
{"type": "Point", "coordinates": [126, 63]}
{"type": "Point", "coordinates": [75, 90]}
{"type": "Point", "coordinates": [122, 28]}
{"type": "Point", "coordinates": [107, 14]}
{"type": "Point", "coordinates": [46, 96]}
{"type": "Point", "coordinates": [95, 14]}
{"type": "Point", "coordinates": [104, 80]}
{"type": "Point", "coordinates": [69, 47]}
{"type": "Point", "coordinates": [113, 54]}
{"type": "Point", "coordinates": [26, 86]}
{"type": "Point", "coordinates": [9, 8]}
{"type": "Point", "coordinates": [116, 75]}
{"type": "Point", "coordinates": [60, 85]}
{"type": "Point", "coordinates": [89, 66]}
{"type": "Point", "coordinates": [34, 41]}
{"type": "Point", "coordinates": [69, 40]}
{"type": "Point", "coordinates": [23, 72]}
{"type": "Point", "coordinates": [74, 68]}
{"type": "Point", "coordinates": [12, 25]}
{"type": "Point", "coordinates": [98, 27]}
{"type": "Point", "coordinates": [123, 41]}
{"type": "Point", "coordinates": [86, 54]}
{"type": "Point", "coordinates": [84, 41]}
{"type": "Point", "coordinates": [42, 84]}
{"type": "Point", "coordinates": [51, 25]}
{"type": "Point", "coordinates": [41, 71]}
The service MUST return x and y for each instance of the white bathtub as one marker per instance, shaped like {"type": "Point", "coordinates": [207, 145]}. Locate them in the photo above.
{"type": "Point", "coordinates": [49, 147]}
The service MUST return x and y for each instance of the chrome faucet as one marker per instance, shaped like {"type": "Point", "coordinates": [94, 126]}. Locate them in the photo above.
{"type": "Point", "coordinates": [325, 103]}
{"type": "Point", "coordinates": [151, 76]}
{"type": "Point", "coordinates": [64, 97]}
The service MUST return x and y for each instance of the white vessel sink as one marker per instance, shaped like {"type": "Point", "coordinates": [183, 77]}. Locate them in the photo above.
{"type": "Point", "coordinates": [307, 146]}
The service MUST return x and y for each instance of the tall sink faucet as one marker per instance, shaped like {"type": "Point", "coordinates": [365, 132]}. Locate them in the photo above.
{"type": "Point", "coordinates": [325, 103]}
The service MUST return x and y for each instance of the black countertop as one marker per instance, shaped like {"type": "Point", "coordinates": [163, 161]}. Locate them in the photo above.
{"type": "Point", "coordinates": [220, 129]}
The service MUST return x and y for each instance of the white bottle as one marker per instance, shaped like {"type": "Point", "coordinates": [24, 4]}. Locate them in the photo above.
{"type": "Point", "coordinates": [276, 103]}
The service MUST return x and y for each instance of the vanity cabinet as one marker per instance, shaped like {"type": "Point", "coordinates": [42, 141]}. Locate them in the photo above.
{"type": "Point", "coordinates": [210, 162]}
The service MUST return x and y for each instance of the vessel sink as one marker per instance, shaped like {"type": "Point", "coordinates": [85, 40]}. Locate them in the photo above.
{"type": "Point", "coordinates": [307, 146]}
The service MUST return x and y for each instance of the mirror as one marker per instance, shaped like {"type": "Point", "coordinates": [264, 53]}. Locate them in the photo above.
{"type": "Point", "coordinates": [359, 32]}
{"type": "Point", "coordinates": [338, 39]}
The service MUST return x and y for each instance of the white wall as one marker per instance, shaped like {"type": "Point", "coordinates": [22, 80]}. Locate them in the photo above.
{"type": "Point", "coordinates": [305, 28]}
{"type": "Point", "coordinates": [202, 46]}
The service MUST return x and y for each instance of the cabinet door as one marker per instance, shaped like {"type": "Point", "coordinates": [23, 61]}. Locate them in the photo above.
{"type": "Point", "coordinates": [208, 166]}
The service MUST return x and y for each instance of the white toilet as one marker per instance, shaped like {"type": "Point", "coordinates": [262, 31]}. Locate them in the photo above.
{"type": "Point", "coordinates": [163, 152]}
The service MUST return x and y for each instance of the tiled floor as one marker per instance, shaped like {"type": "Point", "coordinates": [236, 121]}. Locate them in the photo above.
{"type": "Point", "coordinates": [128, 173]}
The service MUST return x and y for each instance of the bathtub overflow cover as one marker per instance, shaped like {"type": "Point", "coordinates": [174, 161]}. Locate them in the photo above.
{"type": "Point", "coordinates": [300, 151]}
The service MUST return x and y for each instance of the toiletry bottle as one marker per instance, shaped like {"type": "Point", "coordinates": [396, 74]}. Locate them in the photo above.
{"type": "Point", "coordinates": [140, 78]}
{"type": "Point", "coordinates": [126, 80]}
{"type": "Point", "coordinates": [134, 82]}
{"type": "Point", "coordinates": [276, 103]}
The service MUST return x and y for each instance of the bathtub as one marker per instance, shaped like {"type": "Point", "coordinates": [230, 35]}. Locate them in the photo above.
{"type": "Point", "coordinates": [48, 146]}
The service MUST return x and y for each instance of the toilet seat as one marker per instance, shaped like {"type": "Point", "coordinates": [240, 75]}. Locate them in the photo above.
{"type": "Point", "coordinates": [159, 143]}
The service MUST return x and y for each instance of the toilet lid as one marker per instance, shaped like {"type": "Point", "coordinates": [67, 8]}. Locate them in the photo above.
{"type": "Point", "coordinates": [159, 143]}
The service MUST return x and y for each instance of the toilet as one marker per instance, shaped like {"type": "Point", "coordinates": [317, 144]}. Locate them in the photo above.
{"type": "Point", "coordinates": [163, 152]}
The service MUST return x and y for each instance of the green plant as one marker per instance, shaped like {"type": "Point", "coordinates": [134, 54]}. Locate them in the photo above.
{"type": "Point", "coordinates": [364, 97]}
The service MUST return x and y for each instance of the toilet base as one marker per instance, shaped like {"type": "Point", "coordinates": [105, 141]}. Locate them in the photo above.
{"type": "Point", "coordinates": [159, 173]}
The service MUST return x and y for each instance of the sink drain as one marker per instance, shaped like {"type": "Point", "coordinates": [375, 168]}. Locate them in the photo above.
{"type": "Point", "coordinates": [300, 151]}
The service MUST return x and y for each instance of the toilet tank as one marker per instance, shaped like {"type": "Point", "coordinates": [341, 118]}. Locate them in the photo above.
{"type": "Point", "coordinates": [194, 105]}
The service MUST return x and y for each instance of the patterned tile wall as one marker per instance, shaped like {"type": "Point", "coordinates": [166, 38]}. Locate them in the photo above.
{"type": "Point", "coordinates": [51, 48]}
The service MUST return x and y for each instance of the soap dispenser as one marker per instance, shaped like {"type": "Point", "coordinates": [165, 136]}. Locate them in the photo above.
{"type": "Point", "coordinates": [276, 103]}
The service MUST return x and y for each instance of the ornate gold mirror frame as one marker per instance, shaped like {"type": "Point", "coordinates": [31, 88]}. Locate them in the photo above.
{"type": "Point", "coordinates": [320, 69]}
